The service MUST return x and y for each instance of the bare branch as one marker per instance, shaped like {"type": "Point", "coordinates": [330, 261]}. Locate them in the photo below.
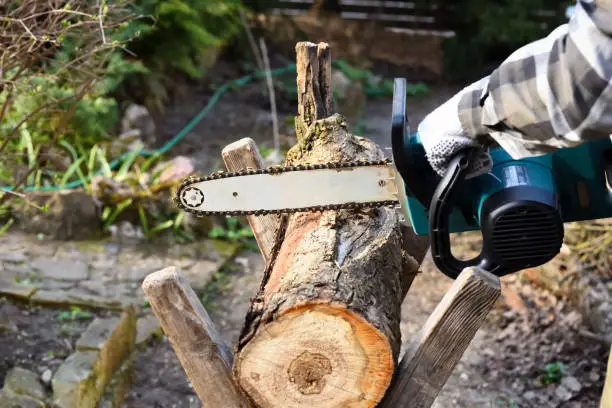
{"type": "Point", "coordinates": [20, 195]}
{"type": "Point", "coordinates": [32, 36]}
{"type": "Point", "coordinates": [101, 21]}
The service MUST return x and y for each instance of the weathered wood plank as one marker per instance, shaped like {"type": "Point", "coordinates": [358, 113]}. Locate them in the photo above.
{"type": "Point", "coordinates": [435, 351]}
{"type": "Point", "coordinates": [238, 156]}
{"type": "Point", "coordinates": [313, 85]}
{"type": "Point", "coordinates": [194, 338]}
{"type": "Point", "coordinates": [606, 395]}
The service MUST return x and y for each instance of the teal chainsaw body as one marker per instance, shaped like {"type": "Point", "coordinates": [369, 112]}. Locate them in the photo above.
{"type": "Point", "coordinates": [520, 206]}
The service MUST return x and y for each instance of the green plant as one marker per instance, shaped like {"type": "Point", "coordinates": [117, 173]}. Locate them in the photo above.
{"type": "Point", "coordinates": [221, 281]}
{"type": "Point", "coordinates": [57, 354]}
{"type": "Point", "coordinates": [148, 231]}
{"type": "Point", "coordinates": [506, 402]}
{"type": "Point", "coordinates": [129, 186]}
{"type": "Point", "coordinates": [26, 281]}
{"type": "Point", "coordinates": [234, 232]}
{"type": "Point", "coordinates": [181, 36]}
{"type": "Point", "coordinates": [5, 227]}
{"type": "Point", "coordinates": [75, 313]}
{"type": "Point", "coordinates": [265, 150]}
{"type": "Point", "coordinates": [52, 54]}
{"type": "Point", "coordinates": [374, 86]}
{"type": "Point", "coordinates": [553, 373]}
{"type": "Point", "coordinates": [110, 214]}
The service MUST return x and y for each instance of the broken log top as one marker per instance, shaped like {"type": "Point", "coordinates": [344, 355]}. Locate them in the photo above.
{"type": "Point", "coordinates": [324, 329]}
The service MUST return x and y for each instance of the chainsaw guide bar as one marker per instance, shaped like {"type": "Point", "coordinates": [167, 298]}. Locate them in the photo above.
{"type": "Point", "coordinates": [191, 198]}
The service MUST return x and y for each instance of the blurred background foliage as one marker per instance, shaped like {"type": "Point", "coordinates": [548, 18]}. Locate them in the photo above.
{"type": "Point", "coordinates": [77, 64]}
{"type": "Point", "coordinates": [147, 47]}
{"type": "Point", "coordinates": [169, 38]}
{"type": "Point", "coordinates": [163, 39]}
{"type": "Point", "coordinates": [487, 31]}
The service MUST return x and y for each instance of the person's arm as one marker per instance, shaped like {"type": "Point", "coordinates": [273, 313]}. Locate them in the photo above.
{"type": "Point", "coordinates": [549, 94]}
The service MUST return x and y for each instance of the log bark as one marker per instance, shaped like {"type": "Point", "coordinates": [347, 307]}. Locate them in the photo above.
{"type": "Point", "coordinates": [323, 330]}
{"type": "Point", "coordinates": [435, 351]}
{"type": "Point", "coordinates": [194, 338]}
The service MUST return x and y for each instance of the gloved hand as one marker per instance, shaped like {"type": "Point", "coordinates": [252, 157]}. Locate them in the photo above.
{"type": "Point", "coordinates": [442, 137]}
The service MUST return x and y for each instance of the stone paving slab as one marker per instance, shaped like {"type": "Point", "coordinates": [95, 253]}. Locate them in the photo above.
{"type": "Point", "coordinates": [102, 349]}
{"type": "Point", "coordinates": [63, 269]}
{"type": "Point", "coordinates": [9, 399]}
{"type": "Point", "coordinates": [13, 257]}
{"type": "Point", "coordinates": [17, 290]}
{"type": "Point", "coordinates": [24, 382]}
{"type": "Point", "coordinates": [101, 274]}
{"type": "Point", "coordinates": [73, 297]}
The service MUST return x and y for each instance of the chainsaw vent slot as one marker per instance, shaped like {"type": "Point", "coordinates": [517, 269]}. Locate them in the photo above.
{"type": "Point", "coordinates": [526, 235]}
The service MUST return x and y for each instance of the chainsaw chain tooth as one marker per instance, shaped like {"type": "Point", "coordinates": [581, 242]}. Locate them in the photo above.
{"type": "Point", "coordinates": [277, 169]}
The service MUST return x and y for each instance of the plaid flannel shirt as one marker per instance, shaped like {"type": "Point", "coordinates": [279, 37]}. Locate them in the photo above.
{"type": "Point", "coordinates": [549, 94]}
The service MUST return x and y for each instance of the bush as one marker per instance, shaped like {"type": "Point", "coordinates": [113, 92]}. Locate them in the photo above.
{"type": "Point", "coordinates": [489, 31]}
{"type": "Point", "coordinates": [66, 76]}
{"type": "Point", "coordinates": [146, 42]}
{"type": "Point", "coordinates": [180, 37]}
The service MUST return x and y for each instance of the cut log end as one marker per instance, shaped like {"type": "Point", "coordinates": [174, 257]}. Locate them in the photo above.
{"type": "Point", "coordinates": [317, 355]}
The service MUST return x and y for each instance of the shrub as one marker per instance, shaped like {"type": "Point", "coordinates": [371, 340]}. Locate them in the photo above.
{"type": "Point", "coordinates": [177, 39]}
{"type": "Point", "coordinates": [52, 54]}
{"type": "Point", "coordinates": [489, 31]}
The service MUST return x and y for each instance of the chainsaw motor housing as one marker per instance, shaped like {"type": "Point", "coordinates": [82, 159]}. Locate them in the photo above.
{"type": "Point", "coordinates": [519, 207]}
{"type": "Point", "coordinates": [516, 209]}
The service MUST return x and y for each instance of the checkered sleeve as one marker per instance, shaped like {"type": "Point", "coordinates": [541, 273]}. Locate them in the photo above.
{"type": "Point", "coordinates": [549, 94]}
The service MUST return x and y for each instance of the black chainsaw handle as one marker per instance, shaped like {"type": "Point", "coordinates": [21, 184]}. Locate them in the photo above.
{"type": "Point", "coordinates": [439, 213]}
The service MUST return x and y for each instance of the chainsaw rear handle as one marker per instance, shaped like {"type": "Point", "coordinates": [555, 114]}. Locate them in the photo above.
{"type": "Point", "coordinates": [439, 213]}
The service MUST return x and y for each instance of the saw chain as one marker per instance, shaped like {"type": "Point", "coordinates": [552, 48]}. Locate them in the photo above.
{"type": "Point", "coordinates": [185, 188]}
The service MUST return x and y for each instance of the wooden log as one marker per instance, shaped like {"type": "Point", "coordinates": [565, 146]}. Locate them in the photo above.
{"type": "Point", "coordinates": [194, 338]}
{"type": "Point", "coordinates": [323, 330]}
{"type": "Point", "coordinates": [241, 155]}
{"type": "Point", "coordinates": [436, 350]}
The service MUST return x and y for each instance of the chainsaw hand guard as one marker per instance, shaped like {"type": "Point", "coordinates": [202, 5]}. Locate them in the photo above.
{"type": "Point", "coordinates": [439, 212]}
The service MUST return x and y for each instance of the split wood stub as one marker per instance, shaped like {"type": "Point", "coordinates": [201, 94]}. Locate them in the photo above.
{"type": "Point", "coordinates": [194, 338]}
{"type": "Point", "coordinates": [239, 156]}
{"type": "Point", "coordinates": [435, 351]}
{"type": "Point", "coordinates": [323, 330]}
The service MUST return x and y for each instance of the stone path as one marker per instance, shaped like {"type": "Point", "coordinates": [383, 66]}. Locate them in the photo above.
{"type": "Point", "coordinates": [103, 275]}
{"type": "Point", "coordinates": [74, 319]}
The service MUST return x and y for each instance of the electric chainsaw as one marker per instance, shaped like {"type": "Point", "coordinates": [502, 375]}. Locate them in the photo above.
{"type": "Point", "coordinates": [520, 206]}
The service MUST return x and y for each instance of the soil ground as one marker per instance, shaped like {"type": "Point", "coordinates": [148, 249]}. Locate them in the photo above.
{"type": "Point", "coordinates": [502, 367]}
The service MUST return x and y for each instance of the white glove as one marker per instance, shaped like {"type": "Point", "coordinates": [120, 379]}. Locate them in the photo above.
{"type": "Point", "coordinates": [442, 137]}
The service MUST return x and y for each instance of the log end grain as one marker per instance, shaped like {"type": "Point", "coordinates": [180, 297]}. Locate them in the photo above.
{"type": "Point", "coordinates": [317, 355]}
